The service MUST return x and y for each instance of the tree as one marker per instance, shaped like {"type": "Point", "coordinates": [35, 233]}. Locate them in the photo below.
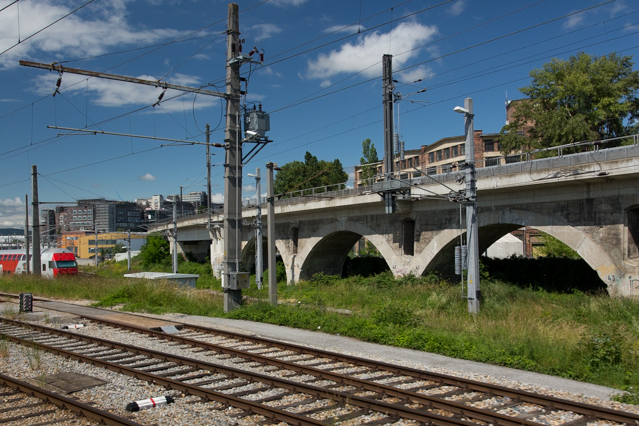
{"type": "Point", "coordinates": [312, 173]}
{"type": "Point", "coordinates": [583, 98]}
{"type": "Point", "coordinates": [555, 248]}
{"type": "Point", "coordinates": [369, 156]}
{"type": "Point", "coordinates": [155, 251]}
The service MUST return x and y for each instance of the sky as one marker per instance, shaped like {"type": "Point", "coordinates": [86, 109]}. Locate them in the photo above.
{"type": "Point", "coordinates": [321, 82]}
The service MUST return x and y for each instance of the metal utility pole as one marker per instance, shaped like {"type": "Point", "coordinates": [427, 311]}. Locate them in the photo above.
{"type": "Point", "coordinates": [26, 231]}
{"type": "Point", "coordinates": [270, 230]}
{"type": "Point", "coordinates": [232, 166]}
{"type": "Point", "coordinates": [472, 233]}
{"type": "Point", "coordinates": [175, 244]}
{"type": "Point", "coordinates": [35, 221]}
{"type": "Point", "coordinates": [259, 267]}
{"type": "Point", "coordinates": [388, 88]}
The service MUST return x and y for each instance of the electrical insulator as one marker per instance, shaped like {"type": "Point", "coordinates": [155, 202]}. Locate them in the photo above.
{"type": "Point", "coordinates": [401, 150]}
{"type": "Point", "coordinates": [262, 55]}
{"type": "Point", "coordinates": [396, 142]}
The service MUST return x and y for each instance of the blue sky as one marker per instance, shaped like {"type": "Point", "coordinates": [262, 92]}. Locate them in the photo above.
{"type": "Point", "coordinates": [320, 81]}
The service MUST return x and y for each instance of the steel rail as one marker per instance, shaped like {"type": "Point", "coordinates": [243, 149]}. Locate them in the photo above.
{"type": "Point", "coordinates": [472, 385]}
{"type": "Point", "coordinates": [248, 406]}
{"type": "Point", "coordinates": [435, 402]}
{"type": "Point", "coordinates": [66, 403]}
{"type": "Point", "coordinates": [548, 402]}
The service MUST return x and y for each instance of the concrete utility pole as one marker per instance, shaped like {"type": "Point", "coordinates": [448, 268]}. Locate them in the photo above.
{"type": "Point", "coordinates": [472, 233]}
{"type": "Point", "coordinates": [388, 88]}
{"type": "Point", "coordinates": [175, 244]}
{"type": "Point", "coordinates": [26, 231]}
{"type": "Point", "coordinates": [232, 165]}
{"type": "Point", "coordinates": [128, 264]}
{"type": "Point", "coordinates": [208, 174]}
{"type": "Point", "coordinates": [272, 267]}
{"type": "Point", "coordinates": [259, 267]}
{"type": "Point", "coordinates": [35, 221]}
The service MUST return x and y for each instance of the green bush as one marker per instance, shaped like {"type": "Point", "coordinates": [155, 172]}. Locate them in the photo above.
{"type": "Point", "coordinates": [548, 273]}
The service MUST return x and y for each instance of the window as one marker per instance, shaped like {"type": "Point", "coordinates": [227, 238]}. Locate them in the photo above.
{"type": "Point", "coordinates": [410, 163]}
{"type": "Point", "coordinates": [439, 155]}
{"type": "Point", "coordinates": [75, 218]}
{"type": "Point", "coordinates": [447, 168]}
{"type": "Point", "coordinates": [490, 146]}
{"type": "Point", "coordinates": [513, 159]}
{"type": "Point", "coordinates": [416, 162]}
{"type": "Point", "coordinates": [431, 171]}
{"type": "Point", "coordinates": [44, 267]}
{"type": "Point", "coordinates": [446, 153]}
{"type": "Point", "coordinates": [494, 161]}
{"type": "Point", "coordinates": [462, 149]}
{"type": "Point", "coordinates": [75, 212]}
{"type": "Point", "coordinates": [455, 151]}
{"type": "Point", "coordinates": [431, 157]}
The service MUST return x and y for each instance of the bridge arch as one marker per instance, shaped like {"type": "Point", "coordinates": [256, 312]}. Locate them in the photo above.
{"type": "Point", "coordinates": [327, 249]}
{"type": "Point", "coordinates": [249, 252]}
{"type": "Point", "coordinates": [494, 224]}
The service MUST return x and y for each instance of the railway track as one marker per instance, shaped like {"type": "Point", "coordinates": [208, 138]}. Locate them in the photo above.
{"type": "Point", "coordinates": [23, 402]}
{"type": "Point", "coordinates": [333, 386]}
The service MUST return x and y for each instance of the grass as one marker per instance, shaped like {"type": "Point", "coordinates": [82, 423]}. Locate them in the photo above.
{"type": "Point", "coordinates": [587, 337]}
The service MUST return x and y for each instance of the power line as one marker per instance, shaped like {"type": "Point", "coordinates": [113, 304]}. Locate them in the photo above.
{"type": "Point", "coordinates": [51, 24]}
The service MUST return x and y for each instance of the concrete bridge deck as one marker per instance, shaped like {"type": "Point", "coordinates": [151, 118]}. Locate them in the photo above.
{"type": "Point", "coordinates": [589, 201]}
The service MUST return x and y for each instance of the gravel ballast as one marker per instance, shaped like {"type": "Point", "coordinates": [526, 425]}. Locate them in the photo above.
{"type": "Point", "coordinates": [24, 363]}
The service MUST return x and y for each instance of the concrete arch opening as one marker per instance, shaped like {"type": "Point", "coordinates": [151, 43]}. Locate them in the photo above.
{"type": "Point", "coordinates": [247, 257]}
{"type": "Point", "coordinates": [443, 261]}
{"type": "Point", "coordinates": [328, 249]}
{"type": "Point", "coordinates": [494, 224]}
{"type": "Point", "coordinates": [329, 254]}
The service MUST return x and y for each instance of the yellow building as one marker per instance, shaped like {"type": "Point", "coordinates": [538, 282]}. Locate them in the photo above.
{"type": "Point", "coordinates": [86, 244]}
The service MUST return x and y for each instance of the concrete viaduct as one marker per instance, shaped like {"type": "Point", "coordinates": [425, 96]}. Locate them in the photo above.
{"type": "Point", "coordinates": [589, 201]}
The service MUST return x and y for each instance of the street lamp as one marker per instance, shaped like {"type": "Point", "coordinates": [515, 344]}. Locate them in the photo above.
{"type": "Point", "coordinates": [472, 234]}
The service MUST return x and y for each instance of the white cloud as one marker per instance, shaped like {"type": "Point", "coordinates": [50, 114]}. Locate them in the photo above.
{"type": "Point", "coordinates": [264, 31]}
{"type": "Point", "coordinates": [100, 27]}
{"type": "Point", "coordinates": [109, 93]}
{"type": "Point", "coordinates": [366, 53]}
{"type": "Point", "coordinates": [217, 198]}
{"type": "Point", "coordinates": [617, 7]}
{"type": "Point", "coordinates": [415, 74]}
{"type": "Point", "coordinates": [12, 212]}
{"type": "Point", "coordinates": [288, 2]}
{"type": "Point", "coordinates": [457, 7]}
{"type": "Point", "coordinates": [147, 176]}
{"type": "Point", "coordinates": [248, 188]}
{"type": "Point", "coordinates": [348, 29]}
{"type": "Point", "coordinates": [574, 21]}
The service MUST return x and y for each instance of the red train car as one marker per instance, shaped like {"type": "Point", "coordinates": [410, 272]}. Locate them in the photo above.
{"type": "Point", "coordinates": [54, 262]}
